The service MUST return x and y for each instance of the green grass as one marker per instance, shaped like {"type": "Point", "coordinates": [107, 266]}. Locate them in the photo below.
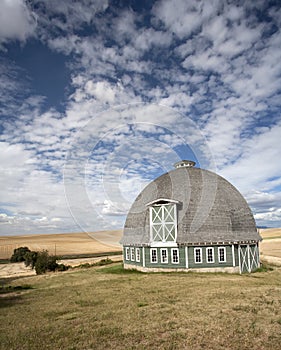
{"type": "Point", "coordinates": [110, 308]}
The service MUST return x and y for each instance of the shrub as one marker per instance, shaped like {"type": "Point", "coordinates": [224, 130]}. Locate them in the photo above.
{"type": "Point", "coordinates": [62, 267]}
{"type": "Point", "coordinates": [45, 262]}
{"type": "Point", "coordinates": [30, 259]}
{"type": "Point", "coordinates": [19, 254]}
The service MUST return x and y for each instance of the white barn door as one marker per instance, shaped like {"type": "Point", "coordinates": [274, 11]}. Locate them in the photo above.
{"type": "Point", "coordinates": [163, 223]}
{"type": "Point", "coordinates": [248, 257]}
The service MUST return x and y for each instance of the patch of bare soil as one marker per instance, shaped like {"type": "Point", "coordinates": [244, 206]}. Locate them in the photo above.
{"type": "Point", "coordinates": [20, 270]}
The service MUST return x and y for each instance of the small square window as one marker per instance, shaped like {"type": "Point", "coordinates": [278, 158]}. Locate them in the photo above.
{"type": "Point", "coordinates": [210, 255]}
{"type": "Point", "coordinates": [133, 254]}
{"type": "Point", "coordinates": [175, 256]}
{"type": "Point", "coordinates": [198, 255]}
{"type": "Point", "coordinates": [138, 254]}
{"type": "Point", "coordinates": [153, 255]}
{"type": "Point", "coordinates": [222, 254]}
{"type": "Point", "coordinates": [164, 256]}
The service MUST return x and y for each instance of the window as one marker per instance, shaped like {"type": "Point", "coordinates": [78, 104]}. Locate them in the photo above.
{"type": "Point", "coordinates": [222, 254]}
{"type": "Point", "coordinates": [127, 253]}
{"type": "Point", "coordinates": [133, 254]}
{"type": "Point", "coordinates": [153, 255]}
{"type": "Point", "coordinates": [164, 256]}
{"type": "Point", "coordinates": [175, 256]}
{"type": "Point", "coordinates": [197, 255]}
{"type": "Point", "coordinates": [163, 223]}
{"type": "Point", "coordinates": [210, 255]}
{"type": "Point", "coordinates": [138, 254]}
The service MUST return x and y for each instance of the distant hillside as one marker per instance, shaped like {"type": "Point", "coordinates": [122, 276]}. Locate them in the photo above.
{"type": "Point", "coordinates": [64, 244]}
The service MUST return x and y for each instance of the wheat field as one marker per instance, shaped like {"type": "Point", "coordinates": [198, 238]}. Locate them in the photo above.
{"type": "Point", "coordinates": [64, 244]}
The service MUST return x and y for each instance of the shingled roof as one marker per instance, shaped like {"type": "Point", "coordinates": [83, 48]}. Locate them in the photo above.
{"type": "Point", "coordinates": [210, 209]}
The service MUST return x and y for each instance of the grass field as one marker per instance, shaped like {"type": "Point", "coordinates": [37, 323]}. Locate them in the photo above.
{"type": "Point", "coordinates": [108, 308]}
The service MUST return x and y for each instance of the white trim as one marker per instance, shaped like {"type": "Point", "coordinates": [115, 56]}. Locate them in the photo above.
{"type": "Point", "coordinates": [255, 257]}
{"type": "Point", "coordinates": [167, 256]}
{"type": "Point", "coordinates": [224, 255]}
{"type": "Point", "coordinates": [233, 255]}
{"type": "Point", "coordinates": [143, 257]}
{"type": "Point", "coordinates": [244, 257]}
{"type": "Point", "coordinates": [151, 250]}
{"type": "Point", "coordinates": [207, 256]}
{"type": "Point", "coordinates": [239, 259]}
{"type": "Point", "coordinates": [164, 244]}
{"type": "Point", "coordinates": [194, 254]}
{"type": "Point", "coordinates": [132, 250]}
{"type": "Point", "coordinates": [163, 224]}
{"type": "Point", "coordinates": [249, 260]}
{"type": "Point", "coordinates": [127, 253]}
{"type": "Point", "coordinates": [186, 257]}
{"type": "Point", "coordinates": [177, 255]}
{"type": "Point", "coordinates": [137, 253]}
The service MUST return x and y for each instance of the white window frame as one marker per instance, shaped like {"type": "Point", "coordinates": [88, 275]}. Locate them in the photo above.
{"type": "Point", "coordinates": [177, 255]}
{"type": "Point", "coordinates": [127, 250]}
{"type": "Point", "coordinates": [224, 254]}
{"type": "Point", "coordinates": [207, 255]}
{"type": "Point", "coordinates": [158, 235]}
{"type": "Point", "coordinates": [137, 254]}
{"type": "Point", "coordinates": [194, 252]}
{"type": "Point", "coordinates": [167, 257]}
{"type": "Point", "coordinates": [132, 250]}
{"type": "Point", "coordinates": [151, 256]}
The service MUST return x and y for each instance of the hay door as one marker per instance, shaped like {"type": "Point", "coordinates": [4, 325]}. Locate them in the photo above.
{"type": "Point", "coordinates": [163, 223]}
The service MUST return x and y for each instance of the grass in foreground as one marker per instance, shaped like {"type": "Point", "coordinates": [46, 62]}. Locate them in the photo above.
{"type": "Point", "coordinates": [107, 308]}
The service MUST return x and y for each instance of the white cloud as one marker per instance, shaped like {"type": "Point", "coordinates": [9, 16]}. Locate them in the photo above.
{"type": "Point", "coordinates": [17, 21]}
{"type": "Point", "coordinates": [214, 62]}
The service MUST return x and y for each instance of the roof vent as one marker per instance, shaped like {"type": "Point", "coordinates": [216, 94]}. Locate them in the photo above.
{"type": "Point", "coordinates": [184, 163]}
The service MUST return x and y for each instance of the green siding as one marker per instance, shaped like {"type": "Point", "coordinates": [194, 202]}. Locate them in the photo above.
{"type": "Point", "coordinates": [182, 262]}
{"type": "Point", "coordinates": [216, 263]}
{"type": "Point", "coordinates": [133, 262]}
{"type": "Point", "coordinates": [169, 265]}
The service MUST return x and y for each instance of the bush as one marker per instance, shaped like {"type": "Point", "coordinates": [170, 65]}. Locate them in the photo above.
{"type": "Point", "coordinates": [19, 254]}
{"type": "Point", "coordinates": [45, 262]}
{"type": "Point", "coordinates": [62, 267]}
{"type": "Point", "coordinates": [30, 259]}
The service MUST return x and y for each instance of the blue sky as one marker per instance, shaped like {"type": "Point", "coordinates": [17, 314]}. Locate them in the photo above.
{"type": "Point", "coordinates": [100, 97]}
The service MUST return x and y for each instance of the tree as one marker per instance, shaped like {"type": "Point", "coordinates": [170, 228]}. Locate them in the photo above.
{"type": "Point", "coordinates": [30, 259]}
{"type": "Point", "coordinates": [19, 254]}
{"type": "Point", "coordinates": [41, 261]}
{"type": "Point", "coordinates": [45, 262]}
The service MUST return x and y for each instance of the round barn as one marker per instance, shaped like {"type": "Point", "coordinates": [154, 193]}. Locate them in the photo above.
{"type": "Point", "coordinates": [190, 219]}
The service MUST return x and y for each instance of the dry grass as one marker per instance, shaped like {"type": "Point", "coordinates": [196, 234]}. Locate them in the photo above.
{"type": "Point", "coordinates": [111, 309]}
{"type": "Point", "coordinates": [64, 244]}
{"type": "Point", "coordinates": [271, 244]}
{"type": "Point", "coordinates": [269, 233]}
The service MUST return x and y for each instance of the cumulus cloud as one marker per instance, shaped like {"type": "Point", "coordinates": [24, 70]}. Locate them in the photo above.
{"type": "Point", "coordinates": [215, 64]}
{"type": "Point", "coordinates": [17, 21]}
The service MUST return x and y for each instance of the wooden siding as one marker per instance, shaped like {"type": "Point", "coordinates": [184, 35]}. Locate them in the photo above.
{"type": "Point", "coordinates": [182, 257]}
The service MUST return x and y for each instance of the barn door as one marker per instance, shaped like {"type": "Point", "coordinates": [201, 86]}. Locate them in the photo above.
{"type": "Point", "coordinates": [243, 258]}
{"type": "Point", "coordinates": [248, 258]}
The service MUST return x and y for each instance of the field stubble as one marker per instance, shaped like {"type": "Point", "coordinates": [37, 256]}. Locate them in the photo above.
{"type": "Point", "coordinates": [108, 308]}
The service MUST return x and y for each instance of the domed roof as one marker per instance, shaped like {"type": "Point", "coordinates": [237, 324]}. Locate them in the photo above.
{"type": "Point", "coordinates": [209, 209]}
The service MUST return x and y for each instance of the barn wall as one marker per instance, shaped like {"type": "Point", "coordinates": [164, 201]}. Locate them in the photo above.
{"type": "Point", "coordinates": [216, 263]}
{"type": "Point", "coordinates": [182, 258]}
